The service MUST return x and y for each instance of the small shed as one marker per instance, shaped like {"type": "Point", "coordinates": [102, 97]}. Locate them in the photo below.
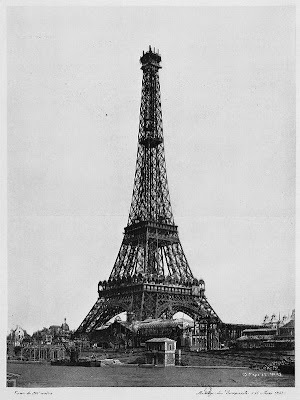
{"type": "Point", "coordinates": [160, 351]}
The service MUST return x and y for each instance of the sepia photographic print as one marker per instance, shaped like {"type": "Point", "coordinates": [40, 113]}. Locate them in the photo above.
{"type": "Point", "coordinates": [151, 197]}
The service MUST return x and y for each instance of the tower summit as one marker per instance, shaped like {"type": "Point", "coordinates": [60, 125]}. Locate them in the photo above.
{"type": "Point", "coordinates": [151, 277]}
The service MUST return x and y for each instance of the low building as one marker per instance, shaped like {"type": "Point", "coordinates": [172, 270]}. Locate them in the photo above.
{"type": "Point", "coordinates": [255, 338]}
{"type": "Point", "coordinates": [160, 351]}
{"type": "Point", "coordinates": [43, 352]}
{"type": "Point", "coordinates": [279, 338]}
{"type": "Point", "coordinates": [124, 334]}
{"type": "Point", "coordinates": [18, 336]}
{"type": "Point", "coordinates": [287, 330]}
{"type": "Point", "coordinates": [230, 332]}
{"type": "Point", "coordinates": [117, 335]}
{"type": "Point", "coordinates": [179, 330]}
{"type": "Point", "coordinates": [55, 334]}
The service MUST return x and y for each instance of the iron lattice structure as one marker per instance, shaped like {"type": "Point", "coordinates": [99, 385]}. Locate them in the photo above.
{"type": "Point", "coordinates": [151, 276]}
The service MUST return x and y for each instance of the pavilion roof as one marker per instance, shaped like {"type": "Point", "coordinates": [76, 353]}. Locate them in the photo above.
{"type": "Point", "coordinates": [160, 340]}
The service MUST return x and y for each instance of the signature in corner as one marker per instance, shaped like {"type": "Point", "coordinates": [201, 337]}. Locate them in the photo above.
{"type": "Point", "coordinates": [207, 391]}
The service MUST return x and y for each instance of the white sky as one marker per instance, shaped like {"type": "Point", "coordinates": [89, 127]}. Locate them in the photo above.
{"type": "Point", "coordinates": [228, 102]}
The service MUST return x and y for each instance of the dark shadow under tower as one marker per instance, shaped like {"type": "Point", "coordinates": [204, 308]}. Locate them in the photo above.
{"type": "Point", "coordinates": [151, 277]}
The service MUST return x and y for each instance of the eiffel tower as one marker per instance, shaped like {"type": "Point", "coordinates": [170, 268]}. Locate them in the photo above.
{"type": "Point", "coordinates": [151, 277]}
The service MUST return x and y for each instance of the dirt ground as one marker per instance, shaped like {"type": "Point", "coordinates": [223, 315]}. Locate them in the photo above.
{"type": "Point", "coordinates": [37, 376]}
{"type": "Point", "coordinates": [216, 368]}
{"type": "Point", "coordinates": [231, 358]}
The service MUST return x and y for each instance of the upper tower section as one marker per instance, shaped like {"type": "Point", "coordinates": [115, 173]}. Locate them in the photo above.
{"type": "Point", "coordinates": [150, 130]}
{"type": "Point", "coordinates": [150, 200]}
{"type": "Point", "coordinates": [150, 59]}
